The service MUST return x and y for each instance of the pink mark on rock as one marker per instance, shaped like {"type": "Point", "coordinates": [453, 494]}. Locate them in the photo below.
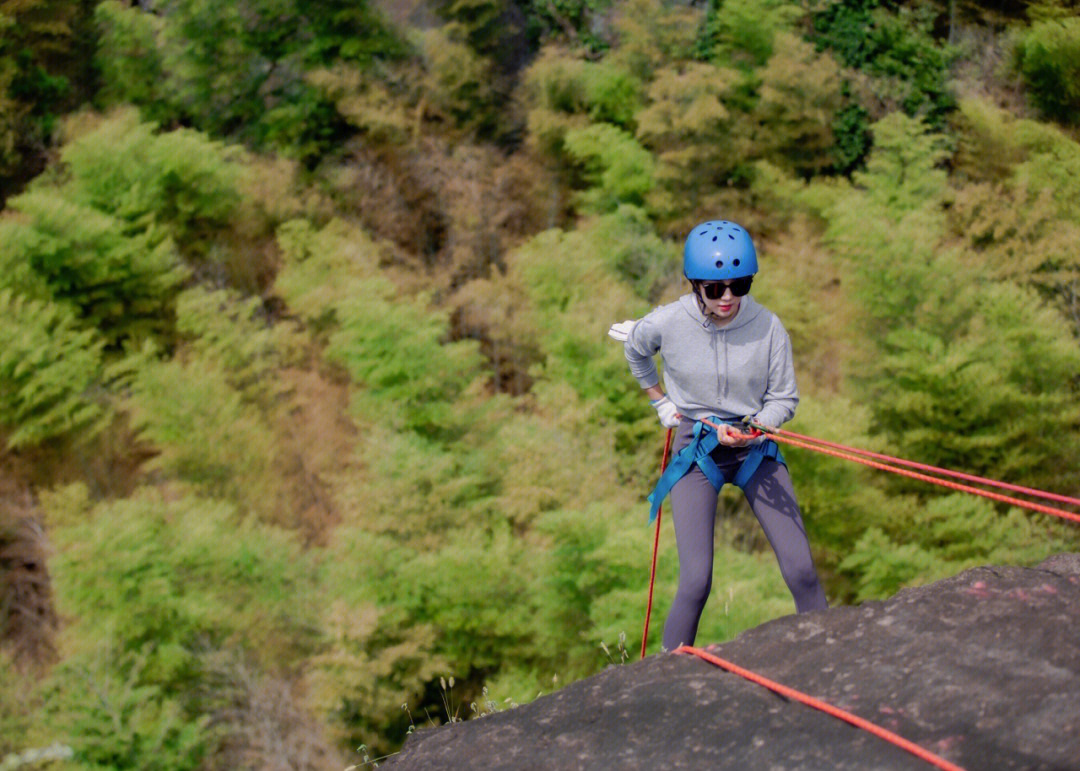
{"type": "Point", "coordinates": [947, 743]}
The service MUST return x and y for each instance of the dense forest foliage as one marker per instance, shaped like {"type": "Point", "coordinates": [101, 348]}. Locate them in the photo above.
{"type": "Point", "coordinates": [310, 431]}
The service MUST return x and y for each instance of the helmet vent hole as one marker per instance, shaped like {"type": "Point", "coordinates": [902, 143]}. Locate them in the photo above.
{"type": "Point", "coordinates": [731, 236]}
{"type": "Point", "coordinates": [736, 263]}
{"type": "Point", "coordinates": [720, 263]}
{"type": "Point", "coordinates": [714, 238]}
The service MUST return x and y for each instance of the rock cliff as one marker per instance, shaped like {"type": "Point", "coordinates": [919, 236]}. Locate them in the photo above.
{"type": "Point", "coordinates": [982, 669]}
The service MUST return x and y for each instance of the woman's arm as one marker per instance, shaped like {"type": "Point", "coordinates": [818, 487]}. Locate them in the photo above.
{"type": "Point", "coordinates": [781, 392]}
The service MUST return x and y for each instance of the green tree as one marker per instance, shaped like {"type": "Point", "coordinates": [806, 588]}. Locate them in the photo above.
{"type": "Point", "coordinates": [177, 184]}
{"type": "Point", "coordinates": [652, 34]}
{"type": "Point", "coordinates": [101, 231]}
{"type": "Point", "coordinates": [993, 396]}
{"type": "Point", "coordinates": [67, 252]}
{"type": "Point", "coordinates": [741, 33]}
{"type": "Point", "coordinates": [127, 722]}
{"type": "Point", "coordinates": [44, 71]}
{"type": "Point", "coordinates": [618, 168]}
{"type": "Point", "coordinates": [155, 585]}
{"type": "Point", "coordinates": [51, 373]}
{"type": "Point", "coordinates": [1017, 214]}
{"type": "Point", "coordinates": [1047, 56]}
{"type": "Point", "coordinates": [211, 411]}
{"type": "Point", "coordinates": [954, 378]}
{"type": "Point", "coordinates": [571, 19]}
{"type": "Point", "coordinates": [456, 87]}
{"type": "Point", "coordinates": [799, 96]}
{"type": "Point", "coordinates": [689, 126]}
{"type": "Point", "coordinates": [130, 58]}
{"type": "Point", "coordinates": [396, 349]}
{"type": "Point", "coordinates": [483, 25]}
{"type": "Point", "coordinates": [243, 72]}
{"type": "Point", "coordinates": [897, 62]}
{"type": "Point", "coordinates": [565, 93]}
{"type": "Point", "coordinates": [936, 542]}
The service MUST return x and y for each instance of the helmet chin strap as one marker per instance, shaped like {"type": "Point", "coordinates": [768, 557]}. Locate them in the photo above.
{"type": "Point", "coordinates": [695, 286]}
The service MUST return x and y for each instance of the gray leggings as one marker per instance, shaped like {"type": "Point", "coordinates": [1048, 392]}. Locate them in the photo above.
{"type": "Point", "coordinates": [693, 506]}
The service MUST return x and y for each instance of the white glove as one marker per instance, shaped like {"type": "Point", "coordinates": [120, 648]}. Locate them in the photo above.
{"type": "Point", "coordinates": [667, 412]}
{"type": "Point", "coordinates": [621, 330]}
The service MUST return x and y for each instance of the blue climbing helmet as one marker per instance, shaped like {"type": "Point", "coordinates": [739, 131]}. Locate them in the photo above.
{"type": "Point", "coordinates": [719, 250]}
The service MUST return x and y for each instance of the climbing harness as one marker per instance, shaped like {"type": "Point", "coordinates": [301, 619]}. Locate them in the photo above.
{"type": "Point", "coordinates": [829, 709]}
{"type": "Point", "coordinates": [697, 452]}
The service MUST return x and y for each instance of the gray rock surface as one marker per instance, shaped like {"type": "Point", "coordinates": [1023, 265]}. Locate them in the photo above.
{"type": "Point", "coordinates": [982, 669]}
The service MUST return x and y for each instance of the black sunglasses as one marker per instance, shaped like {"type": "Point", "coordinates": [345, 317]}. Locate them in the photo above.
{"type": "Point", "coordinates": [714, 290]}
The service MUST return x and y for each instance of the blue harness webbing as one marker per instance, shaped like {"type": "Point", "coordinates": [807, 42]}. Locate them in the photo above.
{"type": "Point", "coordinates": [697, 452]}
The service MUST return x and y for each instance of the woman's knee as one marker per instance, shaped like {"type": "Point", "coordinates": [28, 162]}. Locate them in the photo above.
{"type": "Point", "coordinates": [801, 577]}
{"type": "Point", "coordinates": [695, 585]}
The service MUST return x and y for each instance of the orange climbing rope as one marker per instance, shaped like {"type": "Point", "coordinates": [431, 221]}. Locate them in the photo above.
{"type": "Point", "coordinates": [853, 454]}
{"type": "Point", "coordinates": [777, 432]}
{"type": "Point", "coordinates": [655, 551]}
{"type": "Point", "coordinates": [825, 707]}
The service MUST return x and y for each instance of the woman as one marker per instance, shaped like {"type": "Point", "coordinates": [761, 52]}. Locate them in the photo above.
{"type": "Point", "coordinates": [725, 358]}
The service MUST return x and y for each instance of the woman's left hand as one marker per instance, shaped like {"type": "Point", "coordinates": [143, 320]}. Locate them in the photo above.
{"type": "Point", "coordinates": [732, 437]}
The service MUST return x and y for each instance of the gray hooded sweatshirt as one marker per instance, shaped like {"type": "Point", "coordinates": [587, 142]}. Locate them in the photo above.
{"type": "Point", "coordinates": [743, 368]}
